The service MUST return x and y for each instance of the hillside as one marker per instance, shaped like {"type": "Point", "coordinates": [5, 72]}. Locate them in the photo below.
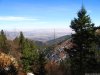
{"type": "Point", "coordinates": [58, 40]}
{"type": "Point", "coordinates": [58, 53]}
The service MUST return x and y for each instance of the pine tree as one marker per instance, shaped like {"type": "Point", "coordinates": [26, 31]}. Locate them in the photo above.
{"type": "Point", "coordinates": [82, 56]}
{"type": "Point", "coordinates": [3, 35]}
{"type": "Point", "coordinates": [21, 40]}
{"type": "Point", "coordinates": [29, 55]}
{"type": "Point", "coordinates": [3, 42]}
{"type": "Point", "coordinates": [2, 38]}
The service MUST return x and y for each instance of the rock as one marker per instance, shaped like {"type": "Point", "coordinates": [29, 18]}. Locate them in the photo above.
{"type": "Point", "coordinates": [30, 73]}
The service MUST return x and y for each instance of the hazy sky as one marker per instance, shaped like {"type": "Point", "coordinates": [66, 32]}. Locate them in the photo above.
{"type": "Point", "coordinates": [34, 14]}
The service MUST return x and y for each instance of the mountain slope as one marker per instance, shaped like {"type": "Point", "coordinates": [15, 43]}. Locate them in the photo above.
{"type": "Point", "coordinates": [58, 52]}
{"type": "Point", "coordinates": [58, 40]}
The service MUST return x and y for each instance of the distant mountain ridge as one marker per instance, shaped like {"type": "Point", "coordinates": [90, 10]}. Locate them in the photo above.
{"type": "Point", "coordinates": [58, 40]}
{"type": "Point", "coordinates": [36, 35]}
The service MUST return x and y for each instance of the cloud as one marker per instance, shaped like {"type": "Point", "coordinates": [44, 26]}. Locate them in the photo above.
{"type": "Point", "coordinates": [14, 18]}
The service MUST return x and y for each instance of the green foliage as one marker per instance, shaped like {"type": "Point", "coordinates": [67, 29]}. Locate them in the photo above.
{"type": "Point", "coordinates": [3, 36]}
{"type": "Point", "coordinates": [65, 66]}
{"type": "Point", "coordinates": [58, 40]}
{"type": "Point", "coordinates": [82, 56]}
{"type": "Point", "coordinates": [29, 55]}
{"type": "Point", "coordinates": [42, 63]}
{"type": "Point", "coordinates": [32, 59]}
{"type": "Point", "coordinates": [39, 64]}
{"type": "Point", "coordinates": [3, 42]}
{"type": "Point", "coordinates": [21, 40]}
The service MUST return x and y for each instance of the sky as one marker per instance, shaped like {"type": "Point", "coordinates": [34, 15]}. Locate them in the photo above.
{"type": "Point", "coordinates": [44, 14]}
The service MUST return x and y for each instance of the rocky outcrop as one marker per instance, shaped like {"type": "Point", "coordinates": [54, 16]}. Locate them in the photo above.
{"type": "Point", "coordinates": [59, 53]}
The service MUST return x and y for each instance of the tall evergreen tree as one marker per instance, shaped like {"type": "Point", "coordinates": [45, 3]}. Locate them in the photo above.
{"type": "Point", "coordinates": [21, 40]}
{"type": "Point", "coordinates": [2, 38]}
{"type": "Point", "coordinates": [3, 42]}
{"type": "Point", "coordinates": [3, 35]}
{"type": "Point", "coordinates": [82, 56]}
{"type": "Point", "coordinates": [29, 55]}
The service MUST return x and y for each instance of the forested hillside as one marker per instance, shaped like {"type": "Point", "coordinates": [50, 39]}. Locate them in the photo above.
{"type": "Point", "coordinates": [58, 40]}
